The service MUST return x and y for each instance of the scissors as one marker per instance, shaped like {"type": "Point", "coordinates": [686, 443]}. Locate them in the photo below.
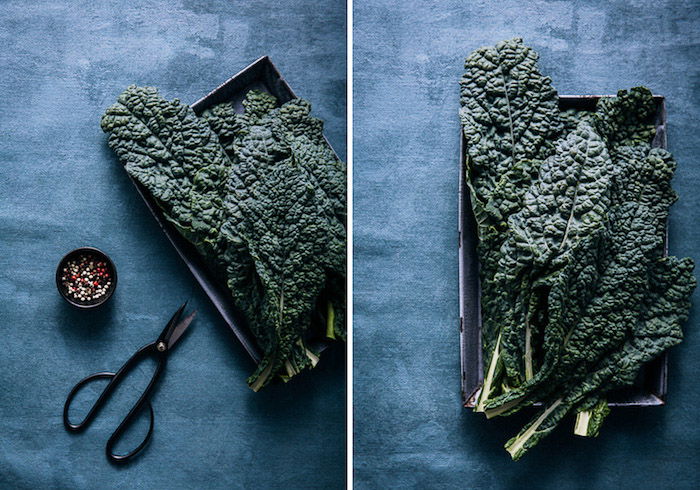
{"type": "Point", "coordinates": [159, 349]}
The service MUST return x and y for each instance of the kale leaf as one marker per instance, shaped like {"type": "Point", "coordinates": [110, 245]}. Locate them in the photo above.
{"type": "Point", "coordinates": [301, 135]}
{"type": "Point", "coordinates": [565, 204]}
{"type": "Point", "coordinates": [509, 116]}
{"type": "Point", "coordinates": [176, 157]}
{"type": "Point", "coordinates": [262, 196]}
{"type": "Point", "coordinates": [289, 228]}
{"type": "Point", "coordinates": [571, 209]}
{"type": "Point", "coordinates": [656, 328]}
{"type": "Point", "coordinates": [591, 305]}
{"type": "Point", "coordinates": [509, 112]}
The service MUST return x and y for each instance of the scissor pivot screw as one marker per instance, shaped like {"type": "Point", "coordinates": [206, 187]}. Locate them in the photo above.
{"type": "Point", "coordinates": [160, 346]}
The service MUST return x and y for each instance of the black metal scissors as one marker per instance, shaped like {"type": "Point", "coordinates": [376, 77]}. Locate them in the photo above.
{"type": "Point", "coordinates": [158, 350]}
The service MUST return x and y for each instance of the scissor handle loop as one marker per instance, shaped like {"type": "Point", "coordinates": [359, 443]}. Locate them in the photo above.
{"type": "Point", "coordinates": [147, 350]}
{"type": "Point", "coordinates": [93, 410]}
{"type": "Point", "coordinates": [116, 435]}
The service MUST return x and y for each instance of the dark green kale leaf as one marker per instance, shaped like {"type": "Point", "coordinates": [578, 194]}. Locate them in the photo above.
{"type": "Point", "coordinates": [302, 137]}
{"type": "Point", "coordinates": [506, 198]}
{"type": "Point", "coordinates": [596, 298]}
{"type": "Point", "coordinates": [293, 124]}
{"type": "Point", "coordinates": [592, 304]}
{"type": "Point", "coordinates": [287, 227]}
{"type": "Point", "coordinates": [658, 327]}
{"type": "Point", "coordinates": [176, 157]}
{"type": "Point", "coordinates": [641, 184]}
{"type": "Point", "coordinates": [227, 124]}
{"type": "Point", "coordinates": [257, 104]}
{"type": "Point", "coordinates": [571, 118]}
{"type": "Point", "coordinates": [509, 112]}
{"type": "Point", "coordinates": [576, 293]}
{"type": "Point", "coordinates": [564, 205]}
{"type": "Point", "coordinates": [626, 120]}
{"type": "Point", "coordinates": [509, 116]}
{"type": "Point", "coordinates": [644, 175]}
{"type": "Point", "coordinates": [262, 196]}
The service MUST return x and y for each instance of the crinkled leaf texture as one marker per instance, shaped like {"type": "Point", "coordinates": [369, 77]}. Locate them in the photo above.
{"type": "Point", "coordinates": [571, 209]}
{"type": "Point", "coordinates": [172, 153]}
{"type": "Point", "coordinates": [509, 112]}
{"type": "Point", "coordinates": [510, 119]}
{"type": "Point", "coordinates": [262, 197]}
{"type": "Point", "coordinates": [657, 327]}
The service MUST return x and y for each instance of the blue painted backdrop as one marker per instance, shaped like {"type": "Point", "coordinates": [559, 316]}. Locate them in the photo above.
{"type": "Point", "coordinates": [410, 430]}
{"type": "Point", "coordinates": [61, 64]}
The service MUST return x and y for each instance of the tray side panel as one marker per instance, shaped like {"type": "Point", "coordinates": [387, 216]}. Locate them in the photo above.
{"type": "Point", "coordinates": [469, 294]}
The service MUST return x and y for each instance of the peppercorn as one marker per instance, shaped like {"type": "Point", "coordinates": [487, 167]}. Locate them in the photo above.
{"type": "Point", "coordinates": [85, 279]}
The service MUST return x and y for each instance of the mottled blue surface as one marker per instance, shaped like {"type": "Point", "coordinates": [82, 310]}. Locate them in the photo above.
{"type": "Point", "coordinates": [410, 429]}
{"type": "Point", "coordinates": [61, 64]}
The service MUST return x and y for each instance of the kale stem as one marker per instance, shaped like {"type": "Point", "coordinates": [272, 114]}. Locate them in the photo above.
{"type": "Point", "coordinates": [490, 375]}
{"type": "Point", "coordinates": [330, 320]}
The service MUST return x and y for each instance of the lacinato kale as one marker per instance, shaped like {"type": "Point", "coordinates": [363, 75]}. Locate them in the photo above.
{"type": "Point", "coordinates": [176, 157]}
{"type": "Point", "coordinates": [510, 118]}
{"type": "Point", "coordinates": [262, 197]}
{"type": "Point", "coordinates": [571, 210]}
{"type": "Point", "coordinates": [656, 328]}
{"type": "Point", "coordinates": [563, 205]}
{"type": "Point", "coordinates": [509, 112]}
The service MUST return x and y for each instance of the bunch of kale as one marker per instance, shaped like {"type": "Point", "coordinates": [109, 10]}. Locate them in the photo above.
{"type": "Point", "coordinates": [261, 195]}
{"type": "Point", "coordinates": [571, 208]}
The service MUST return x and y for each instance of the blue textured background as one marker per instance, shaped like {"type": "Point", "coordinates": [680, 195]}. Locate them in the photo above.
{"type": "Point", "coordinates": [410, 430]}
{"type": "Point", "coordinates": [61, 64]}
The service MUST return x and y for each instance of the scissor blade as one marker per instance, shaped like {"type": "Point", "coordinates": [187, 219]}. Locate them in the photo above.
{"type": "Point", "coordinates": [180, 329]}
{"type": "Point", "coordinates": [170, 326]}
